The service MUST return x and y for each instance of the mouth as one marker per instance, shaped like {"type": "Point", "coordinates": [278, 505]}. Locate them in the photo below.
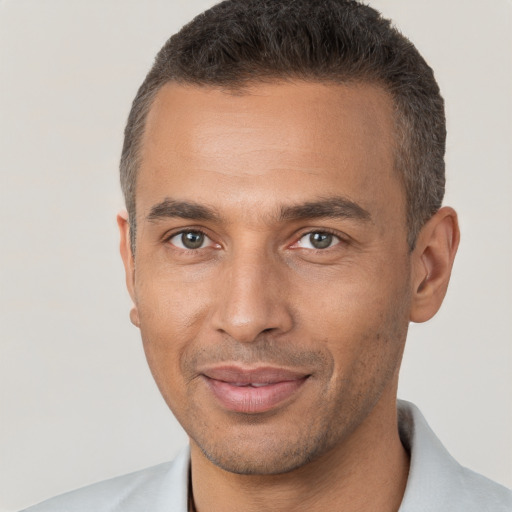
{"type": "Point", "coordinates": [253, 390]}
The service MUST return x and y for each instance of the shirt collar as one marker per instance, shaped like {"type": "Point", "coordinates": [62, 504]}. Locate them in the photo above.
{"type": "Point", "coordinates": [434, 476]}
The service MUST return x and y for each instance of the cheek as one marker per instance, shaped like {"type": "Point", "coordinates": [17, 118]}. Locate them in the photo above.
{"type": "Point", "coordinates": [170, 300]}
{"type": "Point", "coordinates": [361, 316]}
{"type": "Point", "coordinates": [172, 315]}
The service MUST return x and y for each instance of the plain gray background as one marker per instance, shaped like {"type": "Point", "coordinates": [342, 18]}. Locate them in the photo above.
{"type": "Point", "coordinates": [77, 402]}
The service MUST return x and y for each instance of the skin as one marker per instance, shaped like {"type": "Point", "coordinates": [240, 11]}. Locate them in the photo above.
{"type": "Point", "coordinates": [258, 293]}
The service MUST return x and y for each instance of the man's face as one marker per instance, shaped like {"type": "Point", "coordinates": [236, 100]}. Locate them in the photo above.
{"type": "Point", "coordinates": [272, 274]}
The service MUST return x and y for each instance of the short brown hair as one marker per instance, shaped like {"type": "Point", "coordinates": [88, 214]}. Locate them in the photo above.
{"type": "Point", "coordinates": [240, 42]}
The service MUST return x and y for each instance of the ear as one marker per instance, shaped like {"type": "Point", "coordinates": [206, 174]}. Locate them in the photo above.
{"type": "Point", "coordinates": [432, 261]}
{"type": "Point", "coordinates": [128, 261]}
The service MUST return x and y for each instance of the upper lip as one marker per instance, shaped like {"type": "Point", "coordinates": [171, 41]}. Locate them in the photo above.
{"type": "Point", "coordinates": [260, 375]}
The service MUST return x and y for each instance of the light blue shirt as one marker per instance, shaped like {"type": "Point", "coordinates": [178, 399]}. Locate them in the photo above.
{"type": "Point", "coordinates": [436, 482]}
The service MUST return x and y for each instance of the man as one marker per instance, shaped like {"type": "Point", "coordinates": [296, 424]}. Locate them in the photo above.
{"type": "Point", "coordinates": [283, 175]}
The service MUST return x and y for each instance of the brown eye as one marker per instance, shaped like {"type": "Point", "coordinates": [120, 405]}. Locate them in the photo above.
{"type": "Point", "coordinates": [189, 240]}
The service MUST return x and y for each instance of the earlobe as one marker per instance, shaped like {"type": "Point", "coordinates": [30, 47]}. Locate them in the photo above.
{"type": "Point", "coordinates": [433, 259]}
{"type": "Point", "coordinates": [127, 255]}
{"type": "Point", "coordinates": [134, 316]}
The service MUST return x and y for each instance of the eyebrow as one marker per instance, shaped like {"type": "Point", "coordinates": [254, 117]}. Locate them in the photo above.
{"type": "Point", "coordinates": [335, 207]}
{"type": "Point", "coordinates": [170, 208]}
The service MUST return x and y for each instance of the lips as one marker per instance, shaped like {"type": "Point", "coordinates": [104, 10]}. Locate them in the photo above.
{"type": "Point", "coordinates": [253, 390]}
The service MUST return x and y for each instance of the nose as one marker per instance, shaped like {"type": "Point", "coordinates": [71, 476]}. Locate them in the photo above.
{"type": "Point", "coordinates": [252, 298]}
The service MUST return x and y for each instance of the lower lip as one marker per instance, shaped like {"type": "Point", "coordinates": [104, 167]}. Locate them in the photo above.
{"type": "Point", "coordinates": [251, 400]}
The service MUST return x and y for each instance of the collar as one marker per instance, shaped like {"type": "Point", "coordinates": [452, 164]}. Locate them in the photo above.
{"type": "Point", "coordinates": [436, 482]}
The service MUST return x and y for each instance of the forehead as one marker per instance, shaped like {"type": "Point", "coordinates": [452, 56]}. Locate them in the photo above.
{"type": "Point", "coordinates": [298, 138]}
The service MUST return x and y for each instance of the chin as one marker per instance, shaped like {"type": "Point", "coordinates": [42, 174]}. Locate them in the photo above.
{"type": "Point", "coordinates": [271, 454]}
{"type": "Point", "coordinates": [261, 464]}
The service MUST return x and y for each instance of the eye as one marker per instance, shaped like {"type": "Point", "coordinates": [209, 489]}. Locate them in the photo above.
{"type": "Point", "coordinates": [318, 240]}
{"type": "Point", "coordinates": [190, 240]}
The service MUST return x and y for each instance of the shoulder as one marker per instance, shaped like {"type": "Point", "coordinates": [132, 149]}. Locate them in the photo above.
{"type": "Point", "coordinates": [436, 480]}
{"type": "Point", "coordinates": [155, 489]}
{"type": "Point", "coordinates": [483, 494]}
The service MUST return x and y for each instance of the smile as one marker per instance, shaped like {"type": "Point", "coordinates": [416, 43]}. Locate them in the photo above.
{"type": "Point", "coordinates": [252, 384]}
{"type": "Point", "coordinates": [254, 390]}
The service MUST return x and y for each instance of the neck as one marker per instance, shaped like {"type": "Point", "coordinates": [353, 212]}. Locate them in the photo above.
{"type": "Point", "coordinates": [367, 473]}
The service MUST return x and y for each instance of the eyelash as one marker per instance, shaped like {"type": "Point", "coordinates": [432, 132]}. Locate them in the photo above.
{"type": "Point", "coordinates": [324, 231]}
{"type": "Point", "coordinates": [169, 237]}
{"type": "Point", "coordinates": [341, 239]}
